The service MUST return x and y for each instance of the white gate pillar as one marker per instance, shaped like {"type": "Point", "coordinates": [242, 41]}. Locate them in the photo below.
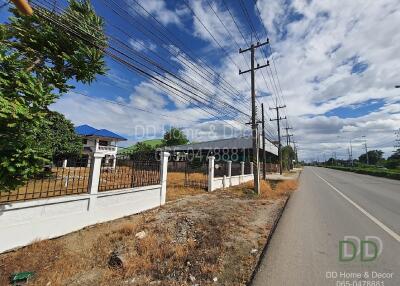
{"type": "Point", "coordinates": [163, 176]}
{"type": "Point", "coordinates": [211, 161]}
{"type": "Point", "coordinates": [94, 178]}
{"type": "Point", "coordinates": [229, 169]}
{"type": "Point", "coordinates": [241, 172]}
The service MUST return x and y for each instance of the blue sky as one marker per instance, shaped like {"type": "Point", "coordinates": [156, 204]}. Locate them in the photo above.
{"type": "Point", "coordinates": [337, 63]}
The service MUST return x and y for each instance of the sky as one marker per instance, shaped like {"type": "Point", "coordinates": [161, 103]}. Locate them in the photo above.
{"type": "Point", "coordinates": [334, 64]}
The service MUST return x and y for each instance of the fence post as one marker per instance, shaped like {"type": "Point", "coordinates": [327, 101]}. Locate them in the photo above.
{"type": "Point", "coordinates": [229, 169]}
{"type": "Point", "coordinates": [251, 168]}
{"type": "Point", "coordinates": [94, 177]}
{"type": "Point", "coordinates": [163, 176]}
{"type": "Point", "coordinates": [241, 172]}
{"type": "Point", "coordinates": [211, 160]}
{"type": "Point", "coordinates": [229, 173]}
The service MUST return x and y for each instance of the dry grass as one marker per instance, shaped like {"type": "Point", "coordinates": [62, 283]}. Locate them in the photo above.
{"type": "Point", "coordinates": [277, 190]}
{"type": "Point", "coordinates": [176, 188]}
{"type": "Point", "coordinates": [205, 236]}
{"type": "Point", "coordinates": [202, 237]}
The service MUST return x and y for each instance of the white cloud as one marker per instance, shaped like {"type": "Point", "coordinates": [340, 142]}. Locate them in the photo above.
{"type": "Point", "coordinates": [315, 71]}
{"type": "Point", "coordinates": [159, 9]}
{"type": "Point", "coordinates": [319, 46]}
{"type": "Point", "coordinates": [140, 45]}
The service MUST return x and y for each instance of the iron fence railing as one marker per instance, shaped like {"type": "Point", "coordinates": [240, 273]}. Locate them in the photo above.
{"type": "Point", "coordinates": [196, 174]}
{"type": "Point", "coordinates": [130, 171]}
{"type": "Point", "coordinates": [236, 169]}
{"type": "Point", "coordinates": [220, 169]}
{"type": "Point", "coordinates": [59, 178]}
{"type": "Point", "coordinates": [177, 166]}
{"type": "Point", "coordinates": [247, 168]}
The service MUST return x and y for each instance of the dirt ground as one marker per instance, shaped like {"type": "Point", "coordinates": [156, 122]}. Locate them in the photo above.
{"type": "Point", "coordinates": [198, 239]}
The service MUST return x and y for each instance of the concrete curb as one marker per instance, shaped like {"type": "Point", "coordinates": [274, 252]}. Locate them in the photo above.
{"type": "Point", "coordinates": [264, 251]}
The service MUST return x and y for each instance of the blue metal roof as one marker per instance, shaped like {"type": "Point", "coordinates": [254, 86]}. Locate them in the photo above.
{"type": "Point", "coordinates": [86, 130]}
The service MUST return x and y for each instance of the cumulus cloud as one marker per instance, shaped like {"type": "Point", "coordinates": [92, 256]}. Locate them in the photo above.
{"type": "Point", "coordinates": [159, 9]}
{"type": "Point", "coordinates": [337, 54]}
{"type": "Point", "coordinates": [329, 55]}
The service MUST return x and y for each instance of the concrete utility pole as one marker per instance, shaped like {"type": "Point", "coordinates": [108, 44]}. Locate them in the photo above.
{"type": "Point", "coordinates": [253, 111]}
{"type": "Point", "coordinates": [278, 119]}
{"type": "Point", "coordinates": [295, 151]}
{"type": "Point", "coordinates": [287, 128]}
{"type": "Point", "coordinates": [263, 136]}
{"type": "Point", "coordinates": [366, 148]}
{"type": "Point", "coordinates": [351, 154]}
{"type": "Point", "coordinates": [397, 140]}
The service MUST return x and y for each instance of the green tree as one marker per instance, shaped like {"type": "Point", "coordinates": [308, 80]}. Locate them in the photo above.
{"type": "Point", "coordinates": [395, 155]}
{"type": "Point", "coordinates": [143, 147]}
{"type": "Point", "coordinates": [393, 161]}
{"type": "Point", "coordinates": [288, 155]}
{"type": "Point", "coordinates": [58, 135]}
{"type": "Point", "coordinates": [374, 156]}
{"type": "Point", "coordinates": [174, 136]}
{"type": "Point", "coordinates": [38, 60]}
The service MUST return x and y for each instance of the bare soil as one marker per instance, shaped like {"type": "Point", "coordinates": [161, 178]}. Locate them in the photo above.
{"type": "Point", "coordinates": [205, 239]}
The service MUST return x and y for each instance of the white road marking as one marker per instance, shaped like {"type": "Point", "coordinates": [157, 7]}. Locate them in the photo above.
{"type": "Point", "coordinates": [371, 217]}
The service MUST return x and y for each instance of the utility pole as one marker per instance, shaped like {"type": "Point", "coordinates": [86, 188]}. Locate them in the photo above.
{"type": "Point", "coordinates": [351, 153]}
{"type": "Point", "coordinates": [263, 138]}
{"type": "Point", "coordinates": [295, 152]}
{"type": "Point", "coordinates": [397, 140]}
{"type": "Point", "coordinates": [366, 148]}
{"type": "Point", "coordinates": [278, 119]}
{"type": "Point", "coordinates": [253, 111]}
{"type": "Point", "coordinates": [287, 128]}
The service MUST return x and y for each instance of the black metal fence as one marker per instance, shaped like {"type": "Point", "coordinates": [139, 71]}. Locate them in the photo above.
{"type": "Point", "coordinates": [177, 166]}
{"type": "Point", "coordinates": [196, 174]}
{"type": "Point", "coordinates": [59, 178]}
{"type": "Point", "coordinates": [247, 168]}
{"type": "Point", "coordinates": [236, 169]}
{"type": "Point", "coordinates": [130, 171]}
{"type": "Point", "coordinates": [221, 169]}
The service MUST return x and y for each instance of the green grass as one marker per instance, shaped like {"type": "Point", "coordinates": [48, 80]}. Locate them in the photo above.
{"type": "Point", "coordinates": [370, 170]}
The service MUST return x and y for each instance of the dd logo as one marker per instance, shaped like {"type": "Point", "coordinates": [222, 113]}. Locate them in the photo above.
{"type": "Point", "coordinates": [368, 249]}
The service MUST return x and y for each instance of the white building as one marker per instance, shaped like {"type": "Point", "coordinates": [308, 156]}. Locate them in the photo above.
{"type": "Point", "coordinates": [99, 141]}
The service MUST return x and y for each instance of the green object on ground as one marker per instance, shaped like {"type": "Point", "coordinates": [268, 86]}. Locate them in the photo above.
{"type": "Point", "coordinates": [21, 277]}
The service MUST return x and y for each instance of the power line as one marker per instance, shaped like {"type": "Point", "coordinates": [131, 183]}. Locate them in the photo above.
{"type": "Point", "coordinates": [245, 41]}
{"type": "Point", "coordinates": [86, 38]}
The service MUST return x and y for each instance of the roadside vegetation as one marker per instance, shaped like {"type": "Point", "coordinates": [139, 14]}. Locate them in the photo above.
{"type": "Point", "coordinates": [372, 164]}
{"type": "Point", "coordinates": [370, 170]}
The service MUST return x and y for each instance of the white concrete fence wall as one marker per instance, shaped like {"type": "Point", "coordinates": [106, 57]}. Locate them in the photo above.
{"type": "Point", "coordinates": [24, 222]}
{"type": "Point", "coordinates": [227, 180]}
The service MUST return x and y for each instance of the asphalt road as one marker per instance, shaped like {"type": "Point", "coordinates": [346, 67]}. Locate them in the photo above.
{"type": "Point", "coordinates": [328, 206]}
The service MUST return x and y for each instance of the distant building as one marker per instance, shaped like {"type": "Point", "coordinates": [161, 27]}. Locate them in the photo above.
{"type": "Point", "coordinates": [235, 149]}
{"type": "Point", "coordinates": [99, 141]}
